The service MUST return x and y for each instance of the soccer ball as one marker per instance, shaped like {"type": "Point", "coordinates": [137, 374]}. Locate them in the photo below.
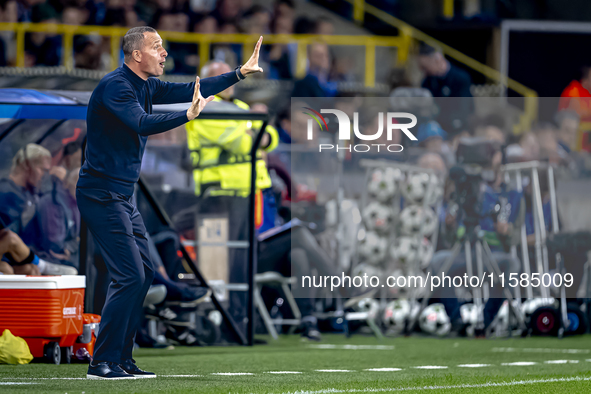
{"type": "Point", "coordinates": [405, 250]}
{"type": "Point", "coordinates": [426, 253]}
{"type": "Point", "coordinates": [382, 184]}
{"type": "Point", "coordinates": [413, 217]}
{"type": "Point", "coordinates": [378, 217]}
{"type": "Point", "coordinates": [369, 305]}
{"type": "Point", "coordinates": [395, 315]}
{"type": "Point", "coordinates": [469, 314]}
{"type": "Point", "coordinates": [417, 190]}
{"type": "Point", "coordinates": [366, 269]}
{"type": "Point", "coordinates": [436, 192]}
{"type": "Point", "coordinates": [433, 320]}
{"type": "Point", "coordinates": [373, 248]}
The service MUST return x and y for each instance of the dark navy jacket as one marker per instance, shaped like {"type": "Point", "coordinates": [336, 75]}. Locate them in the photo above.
{"type": "Point", "coordinates": [119, 121]}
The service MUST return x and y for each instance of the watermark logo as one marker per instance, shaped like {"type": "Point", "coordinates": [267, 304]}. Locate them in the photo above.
{"type": "Point", "coordinates": [394, 121]}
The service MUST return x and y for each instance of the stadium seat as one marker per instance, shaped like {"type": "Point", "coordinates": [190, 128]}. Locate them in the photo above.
{"type": "Point", "coordinates": [273, 279]}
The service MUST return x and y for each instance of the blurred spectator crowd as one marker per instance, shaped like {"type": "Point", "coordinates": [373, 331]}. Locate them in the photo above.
{"type": "Point", "coordinates": [198, 16]}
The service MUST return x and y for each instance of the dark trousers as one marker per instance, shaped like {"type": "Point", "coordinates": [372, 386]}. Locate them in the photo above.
{"type": "Point", "coordinates": [276, 254]}
{"type": "Point", "coordinates": [119, 232]}
{"type": "Point", "coordinates": [295, 253]}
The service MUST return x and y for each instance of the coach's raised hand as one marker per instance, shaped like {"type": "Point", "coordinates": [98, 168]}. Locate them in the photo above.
{"type": "Point", "coordinates": [252, 65]}
{"type": "Point", "coordinates": [198, 102]}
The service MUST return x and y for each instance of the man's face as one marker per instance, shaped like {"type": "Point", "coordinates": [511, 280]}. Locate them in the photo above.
{"type": "Point", "coordinates": [219, 68]}
{"type": "Point", "coordinates": [325, 28]}
{"type": "Point", "coordinates": [152, 55]}
{"type": "Point", "coordinates": [491, 133]}
{"type": "Point", "coordinates": [299, 128]}
{"type": "Point", "coordinates": [319, 58]}
{"type": "Point", "coordinates": [428, 65]}
{"type": "Point", "coordinates": [37, 170]}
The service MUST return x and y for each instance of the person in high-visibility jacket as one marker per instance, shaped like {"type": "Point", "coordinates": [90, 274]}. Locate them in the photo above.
{"type": "Point", "coordinates": [220, 153]}
{"type": "Point", "coordinates": [220, 149]}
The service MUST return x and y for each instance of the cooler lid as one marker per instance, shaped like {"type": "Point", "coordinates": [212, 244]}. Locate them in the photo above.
{"type": "Point", "coordinates": [42, 282]}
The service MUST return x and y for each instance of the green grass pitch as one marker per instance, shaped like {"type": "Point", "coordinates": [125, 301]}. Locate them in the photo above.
{"type": "Point", "coordinates": [544, 365]}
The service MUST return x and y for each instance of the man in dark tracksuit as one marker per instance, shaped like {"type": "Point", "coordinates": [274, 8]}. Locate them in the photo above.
{"type": "Point", "coordinates": [119, 121]}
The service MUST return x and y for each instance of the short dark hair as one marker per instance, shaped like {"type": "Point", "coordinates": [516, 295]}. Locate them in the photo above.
{"type": "Point", "coordinates": [289, 3]}
{"type": "Point", "coordinates": [134, 39]}
{"type": "Point", "coordinates": [427, 50]}
{"type": "Point", "coordinates": [255, 9]}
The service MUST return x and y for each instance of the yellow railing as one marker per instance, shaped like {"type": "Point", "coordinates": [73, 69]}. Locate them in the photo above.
{"type": "Point", "coordinates": [406, 30]}
{"type": "Point", "coordinates": [68, 32]}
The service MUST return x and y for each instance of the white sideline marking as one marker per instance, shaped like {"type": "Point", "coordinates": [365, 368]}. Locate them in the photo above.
{"type": "Point", "coordinates": [539, 350]}
{"type": "Point", "coordinates": [46, 378]}
{"type": "Point", "coordinates": [459, 386]}
{"type": "Point", "coordinates": [180, 376]}
{"type": "Point", "coordinates": [430, 367]}
{"type": "Point", "coordinates": [10, 383]}
{"type": "Point", "coordinates": [351, 347]}
{"type": "Point", "coordinates": [383, 369]}
{"type": "Point", "coordinates": [473, 365]}
{"type": "Point", "coordinates": [334, 370]}
{"type": "Point", "coordinates": [232, 373]}
{"type": "Point", "coordinates": [561, 361]}
{"type": "Point", "coordinates": [282, 372]}
{"type": "Point", "coordinates": [519, 364]}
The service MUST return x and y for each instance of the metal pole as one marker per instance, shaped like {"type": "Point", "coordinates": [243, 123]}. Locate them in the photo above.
{"type": "Point", "coordinates": [565, 323]}
{"type": "Point", "coordinates": [252, 247]}
{"type": "Point", "coordinates": [540, 214]}
{"type": "Point", "coordinates": [524, 247]}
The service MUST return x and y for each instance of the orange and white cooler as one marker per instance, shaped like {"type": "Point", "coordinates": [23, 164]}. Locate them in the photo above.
{"type": "Point", "coordinates": [47, 311]}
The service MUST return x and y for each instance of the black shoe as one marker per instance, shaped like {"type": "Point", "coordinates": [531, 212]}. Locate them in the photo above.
{"type": "Point", "coordinates": [479, 333]}
{"type": "Point", "coordinates": [310, 331]}
{"type": "Point", "coordinates": [107, 370]}
{"type": "Point", "coordinates": [132, 369]}
{"type": "Point", "coordinates": [459, 328]}
{"type": "Point", "coordinates": [190, 294]}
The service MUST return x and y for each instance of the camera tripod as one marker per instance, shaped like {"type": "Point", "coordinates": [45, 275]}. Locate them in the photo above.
{"type": "Point", "coordinates": [484, 257]}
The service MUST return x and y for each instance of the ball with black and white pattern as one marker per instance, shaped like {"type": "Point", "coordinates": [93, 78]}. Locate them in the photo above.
{"type": "Point", "coordinates": [395, 315]}
{"type": "Point", "coordinates": [469, 314]}
{"type": "Point", "coordinates": [405, 250]}
{"type": "Point", "coordinates": [383, 183]}
{"type": "Point", "coordinates": [378, 217]}
{"type": "Point", "coordinates": [421, 186]}
{"type": "Point", "coordinates": [413, 217]}
{"type": "Point", "coordinates": [369, 305]}
{"type": "Point", "coordinates": [372, 248]}
{"type": "Point", "coordinates": [364, 271]}
{"type": "Point", "coordinates": [434, 320]}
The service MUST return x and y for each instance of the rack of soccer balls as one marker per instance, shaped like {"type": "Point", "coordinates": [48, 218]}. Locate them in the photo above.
{"type": "Point", "coordinates": [398, 236]}
{"type": "Point", "coordinates": [397, 239]}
